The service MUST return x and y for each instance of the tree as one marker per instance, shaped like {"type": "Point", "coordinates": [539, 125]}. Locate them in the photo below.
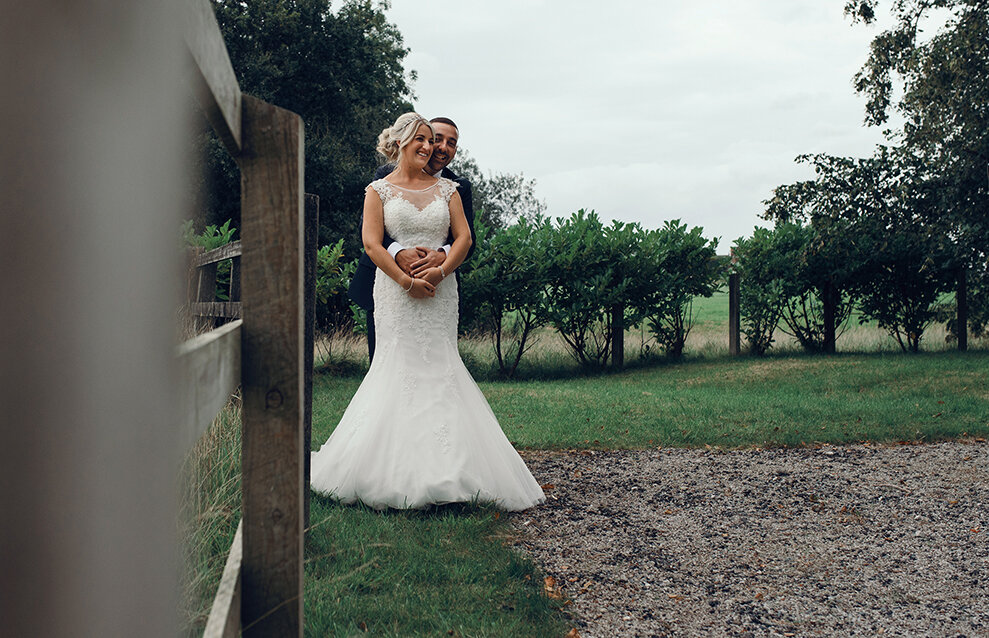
{"type": "Point", "coordinates": [944, 85]}
{"type": "Point", "coordinates": [500, 199]}
{"type": "Point", "coordinates": [342, 71]}
{"type": "Point", "coordinates": [874, 239]}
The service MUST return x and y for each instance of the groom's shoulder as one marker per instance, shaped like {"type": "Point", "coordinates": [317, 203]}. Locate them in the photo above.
{"type": "Point", "coordinates": [461, 181]}
{"type": "Point", "coordinates": [384, 171]}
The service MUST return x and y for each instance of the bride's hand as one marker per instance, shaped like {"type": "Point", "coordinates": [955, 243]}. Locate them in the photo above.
{"type": "Point", "coordinates": [433, 276]}
{"type": "Point", "coordinates": [422, 289]}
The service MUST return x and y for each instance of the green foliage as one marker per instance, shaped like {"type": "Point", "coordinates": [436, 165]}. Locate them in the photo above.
{"type": "Point", "coordinates": [213, 237]}
{"type": "Point", "coordinates": [580, 276]}
{"type": "Point", "coordinates": [942, 81]}
{"type": "Point", "coordinates": [683, 267]}
{"type": "Point", "coordinates": [507, 286]}
{"type": "Point", "coordinates": [762, 288]}
{"type": "Point", "coordinates": [333, 275]}
{"type": "Point", "coordinates": [904, 280]}
{"type": "Point", "coordinates": [341, 70]}
{"type": "Point", "coordinates": [584, 284]}
{"type": "Point", "coordinates": [874, 238]}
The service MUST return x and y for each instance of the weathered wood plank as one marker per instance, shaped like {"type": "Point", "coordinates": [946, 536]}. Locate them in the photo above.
{"type": "Point", "coordinates": [228, 251]}
{"type": "Point", "coordinates": [312, 247]}
{"type": "Point", "coordinates": [215, 83]}
{"type": "Point", "coordinates": [272, 303]}
{"type": "Point", "coordinates": [226, 309]}
{"type": "Point", "coordinates": [224, 615]}
{"type": "Point", "coordinates": [209, 372]}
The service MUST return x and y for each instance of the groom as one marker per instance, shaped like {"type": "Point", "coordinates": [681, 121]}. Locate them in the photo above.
{"type": "Point", "coordinates": [415, 259]}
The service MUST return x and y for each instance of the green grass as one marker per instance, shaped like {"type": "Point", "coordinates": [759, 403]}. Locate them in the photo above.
{"type": "Point", "coordinates": [208, 516]}
{"type": "Point", "coordinates": [447, 571]}
{"type": "Point", "coordinates": [774, 401]}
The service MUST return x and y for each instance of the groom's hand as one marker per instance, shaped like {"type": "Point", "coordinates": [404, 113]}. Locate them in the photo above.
{"type": "Point", "coordinates": [428, 258]}
{"type": "Point", "coordinates": [405, 259]}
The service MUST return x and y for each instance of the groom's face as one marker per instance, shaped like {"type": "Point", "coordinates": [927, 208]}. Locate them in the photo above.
{"type": "Point", "coordinates": [444, 146]}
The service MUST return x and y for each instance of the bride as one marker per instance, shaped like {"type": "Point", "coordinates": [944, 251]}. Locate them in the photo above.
{"type": "Point", "coordinates": [418, 431]}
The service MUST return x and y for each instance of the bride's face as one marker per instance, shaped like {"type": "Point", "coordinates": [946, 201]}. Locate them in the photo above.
{"type": "Point", "coordinates": [417, 152]}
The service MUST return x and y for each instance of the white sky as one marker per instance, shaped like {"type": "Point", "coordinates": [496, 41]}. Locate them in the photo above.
{"type": "Point", "coordinates": [644, 111]}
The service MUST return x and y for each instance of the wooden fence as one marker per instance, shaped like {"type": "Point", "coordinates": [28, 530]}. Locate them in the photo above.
{"type": "Point", "coordinates": [264, 352]}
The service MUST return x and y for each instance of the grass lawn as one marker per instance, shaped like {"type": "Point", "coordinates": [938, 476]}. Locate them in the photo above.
{"type": "Point", "coordinates": [783, 400]}
{"type": "Point", "coordinates": [440, 572]}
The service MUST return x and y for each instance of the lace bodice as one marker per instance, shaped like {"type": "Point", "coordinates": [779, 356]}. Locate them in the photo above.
{"type": "Point", "coordinates": [416, 217]}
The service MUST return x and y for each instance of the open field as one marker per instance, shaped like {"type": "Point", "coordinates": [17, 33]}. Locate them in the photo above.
{"type": "Point", "coordinates": [346, 353]}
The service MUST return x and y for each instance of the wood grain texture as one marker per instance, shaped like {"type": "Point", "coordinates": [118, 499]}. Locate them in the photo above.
{"type": "Point", "coordinates": [214, 81]}
{"type": "Point", "coordinates": [224, 616]}
{"type": "Point", "coordinates": [272, 303]}
{"type": "Point", "coordinates": [228, 251]}
{"type": "Point", "coordinates": [209, 372]}
{"type": "Point", "coordinates": [312, 246]}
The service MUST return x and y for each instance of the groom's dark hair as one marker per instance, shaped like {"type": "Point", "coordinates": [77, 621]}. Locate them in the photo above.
{"type": "Point", "coordinates": [444, 120]}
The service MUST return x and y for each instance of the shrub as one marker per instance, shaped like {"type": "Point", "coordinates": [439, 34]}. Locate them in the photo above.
{"type": "Point", "coordinates": [684, 267]}
{"type": "Point", "coordinates": [507, 284]}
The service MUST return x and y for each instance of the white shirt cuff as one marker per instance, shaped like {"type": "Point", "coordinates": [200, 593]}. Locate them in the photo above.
{"type": "Point", "coordinates": [446, 248]}
{"type": "Point", "coordinates": [394, 248]}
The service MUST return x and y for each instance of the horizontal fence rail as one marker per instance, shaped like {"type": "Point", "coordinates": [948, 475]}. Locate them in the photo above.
{"type": "Point", "coordinates": [209, 372]}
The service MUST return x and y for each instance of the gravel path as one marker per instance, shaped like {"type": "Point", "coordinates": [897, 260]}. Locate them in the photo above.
{"type": "Point", "coordinates": [836, 541]}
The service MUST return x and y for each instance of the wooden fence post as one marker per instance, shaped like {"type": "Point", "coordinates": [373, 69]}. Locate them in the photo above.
{"type": "Point", "coordinates": [271, 167]}
{"type": "Point", "coordinates": [734, 315]}
{"type": "Point", "coordinates": [618, 336]}
{"type": "Point", "coordinates": [312, 243]}
{"type": "Point", "coordinates": [961, 300]}
{"type": "Point", "coordinates": [830, 307]}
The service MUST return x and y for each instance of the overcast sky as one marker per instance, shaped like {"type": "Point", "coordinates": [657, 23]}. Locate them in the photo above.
{"type": "Point", "coordinates": [644, 110]}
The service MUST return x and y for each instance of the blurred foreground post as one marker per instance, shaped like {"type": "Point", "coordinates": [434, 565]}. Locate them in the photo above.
{"type": "Point", "coordinates": [92, 175]}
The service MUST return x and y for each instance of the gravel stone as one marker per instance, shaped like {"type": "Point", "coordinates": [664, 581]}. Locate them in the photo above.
{"type": "Point", "coordinates": [862, 540]}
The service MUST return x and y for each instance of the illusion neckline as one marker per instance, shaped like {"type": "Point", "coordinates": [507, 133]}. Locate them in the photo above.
{"type": "Point", "coordinates": [412, 190]}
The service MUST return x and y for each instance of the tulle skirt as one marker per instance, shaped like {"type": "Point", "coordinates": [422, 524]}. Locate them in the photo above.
{"type": "Point", "coordinates": [419, 431]}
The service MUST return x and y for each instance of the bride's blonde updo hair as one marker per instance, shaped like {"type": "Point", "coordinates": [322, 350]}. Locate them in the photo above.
{"type": "Point", "coordinates": [397, 136]}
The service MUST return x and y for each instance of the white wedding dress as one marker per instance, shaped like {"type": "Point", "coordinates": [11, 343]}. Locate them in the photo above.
{"type": "Point", "coordinates": [418, 431]}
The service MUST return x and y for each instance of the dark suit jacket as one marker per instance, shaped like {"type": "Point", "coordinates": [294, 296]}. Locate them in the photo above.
{"type": "Point", "coordinates": [362, 285]}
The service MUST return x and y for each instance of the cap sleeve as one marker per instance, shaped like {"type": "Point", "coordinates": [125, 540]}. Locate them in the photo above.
{"type": "Point", "coordinates": [447, 188]}
{"type": "Point", "coordinates": [382, 188]}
